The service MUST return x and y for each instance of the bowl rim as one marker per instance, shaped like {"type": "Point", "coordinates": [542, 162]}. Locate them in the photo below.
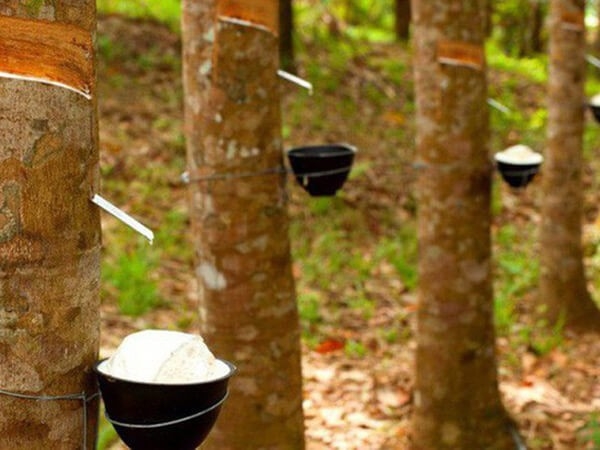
{"type": "Point", "coordinates": [336, 149]}
{"type": "Point", "coordinates": [534, 159]}
{"type": "Point", "coordinates": [99, 372]}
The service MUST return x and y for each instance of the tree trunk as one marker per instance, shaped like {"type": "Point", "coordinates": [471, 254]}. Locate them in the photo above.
{"type": "Point", "coordinates": [537, 26]}
{"type": "Point", "coordinates": [521, 26]}
{"type": "Point", "coordinates": [240, 226]}
{"type": "Point", "coordinates": [402, 20]}
{"type": "Point", "coordinates": [489, 15]}
{"type": "Point", "coordinates": [286, 36]}
{"type": "Point", "coordinates": [49, 245]}
{"type": "Point", "coordinates": [596, 45]}
{"type": "Point", "coordinates": [457, 403]}
{"type": "Point", "coordinates": [563, 286]}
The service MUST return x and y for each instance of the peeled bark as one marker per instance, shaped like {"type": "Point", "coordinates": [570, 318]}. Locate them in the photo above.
{"type": "Point", "coordinates": [240, 227]}
{"type": "Point", "coordinates": [563, 286]}
{"type": "Point", "coordinates": [457, 403]}
{"type": "Point", "coordinates": [49, 251]}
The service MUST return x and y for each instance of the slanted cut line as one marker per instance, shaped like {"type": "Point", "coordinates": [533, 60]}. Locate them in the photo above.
{"type": "Point", "coordinates": [83, 92]}
{"type": "Point", "coordinates": [48, 52]}
{"type": "Point", "coordinates": [458, 53]}
{"type": "Point", "coordinates": [245, 23]}
{"type": "Point", "coordinates": [261, 14]}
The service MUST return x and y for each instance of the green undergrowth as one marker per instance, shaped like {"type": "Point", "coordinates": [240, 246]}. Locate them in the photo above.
{"type": "Point", "coordinates": [130, 268]}
{"type": "Point", "coordinates": [517, 85]}
{"type": "Point", "coordinates": [515, 275]}
{"type": "Point", "coordinates": [532, 70]}
{"type": "Point", "coordinates": [166, 11]}
{"type": "Point", "coordinates": [361, 20]}
{"type": "Point", "coordinates": [589, 434]}
{"type": "Point", "coordinates": [107, 435]}
{"type": "Point", "coordinates": [337, 256]}
{"type": "Point", "coordinates": [131, 274]}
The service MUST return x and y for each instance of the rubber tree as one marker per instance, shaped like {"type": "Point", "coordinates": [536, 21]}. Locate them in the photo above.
{"type": "Point", "coordinates": [520, 24]}
{"type": "Point", "coordinates": [286, 35]}
{"type": "Point", "coordinates": [563, 287]}
{"type": "Point", "coordinates": [457, 405]}
{"type": "Point", "coordinates": [239, 219]}
{"type": "Point", "coordinates": [49, 230]}
{"type": "Point", "coordinates": [402, 19]}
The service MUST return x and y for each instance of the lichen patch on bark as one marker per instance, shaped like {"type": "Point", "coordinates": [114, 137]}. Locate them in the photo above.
{"type": "Point", "coordinates": [213, 279]}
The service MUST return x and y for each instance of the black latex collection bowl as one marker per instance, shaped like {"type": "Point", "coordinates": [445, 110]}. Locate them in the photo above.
{"type": "Point", "coordinates": [154, 416]}
{"type": "Point", "coordinates": [517, 175]}
{"type": "Point", "coordinates": [322, 169]}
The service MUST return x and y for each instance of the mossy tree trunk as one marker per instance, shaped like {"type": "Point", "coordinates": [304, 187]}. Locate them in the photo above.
{"type": "Point", "coordinates": [563, 288]}
{"type": "Point", "coordinates": [240, 226]}
{"type": "Point", "coordinates": [457, 403]}
{"type": "Point", "coordinates": [49, 246]}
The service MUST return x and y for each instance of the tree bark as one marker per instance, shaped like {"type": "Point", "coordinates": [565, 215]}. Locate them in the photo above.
{"type": "Point", "coordinates": [49, 250]}
{"type": "Point", "coordinates": [240, 227]}
{"type": "Point", "coordinates": [402, 22]}
{"type": "Point", "coordinates": [563, 287]}
{"type": "Point", "coordinates": [286, 36]}
{"type": "Point", "coordinates": [457, 403]}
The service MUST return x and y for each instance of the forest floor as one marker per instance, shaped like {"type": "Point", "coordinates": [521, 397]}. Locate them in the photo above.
{"type": "Point", "coordinates": [358, 322]}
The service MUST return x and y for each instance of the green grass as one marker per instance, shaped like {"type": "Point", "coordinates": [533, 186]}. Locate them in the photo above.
{"type": "Point", "coordinates": [110, 50]}
{"type": "Point", "coordinates": [131, 274]}
{"type": "Point", "coordinates": [589, 434]}
{"type": "Point", "coordinates": [533, 70]}
{"type": "Point", "coordinates": [167, 11]}
{"type": "Point", "coordinates": [131, 270]}
{"type": "Point", "coordinates": [543, 339]}
{"type": "Point", "coordinates": [516, 275]}
{"type": "Point", "coordinates": [337, 257]}
{"type": "Point", "coordinates": [308, 305]}
{"type": "Point", "coordinates": [107, 436]}
{"type": "Point", "coordinates": [517, 272]}
{"type": "Point", "coordinates": [526, 122]}
{"type": "Point", "coordinates": [355, 349]}
{"type": "Point", "coordinates": [401, 252]}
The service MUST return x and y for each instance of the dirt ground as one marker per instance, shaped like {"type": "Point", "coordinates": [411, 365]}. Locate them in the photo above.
{"type": "Point", "coordinates": [351, 402]}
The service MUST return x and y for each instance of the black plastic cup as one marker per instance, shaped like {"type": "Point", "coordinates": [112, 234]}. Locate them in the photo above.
{"type": "Point", "coordinates": [157, 416]}
{"type": "Point", "coordinates": [517, 175]}
{"type": "Point", "coordinates": [322, 169]}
